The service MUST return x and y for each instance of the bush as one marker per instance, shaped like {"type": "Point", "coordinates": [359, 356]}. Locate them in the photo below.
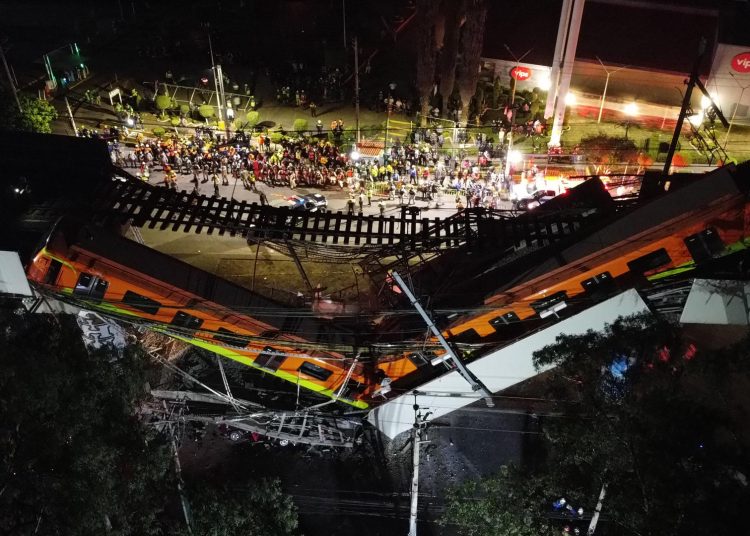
{"type": "Point", "coordinates": [300, 125]}
{"type": "Point", "coordinates": [602, 149]}
{"type": "Point", "coordinates": [276, 137]}
{"type": "Point", "coordinates": [175, 121]}
{"type": "Point", "coordinates": [184, 109]}
{"type": "Point", "coordinates": [159, 132]}
{"type": "Point", "coordinates": [206, 111]}
{"type": "Point", "coordinates": [163, 102]}
{"type": "Point", "coordinates": [252, 118]}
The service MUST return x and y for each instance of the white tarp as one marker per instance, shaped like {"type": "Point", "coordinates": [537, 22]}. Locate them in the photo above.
{"type": "Point", "coordinates": [12, 276]}
{"type": "Point", "coordinates": [718, 302]}
{"type": "Point", "coordinates": [498, 370]}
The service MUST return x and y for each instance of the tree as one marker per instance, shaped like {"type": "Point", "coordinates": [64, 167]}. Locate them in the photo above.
{"type": "Point", "coordinates": [602, 150]}
{"type": "Point", "coordinates": [472, 39]}
{"type": "Point", "coordinates": [206, 111]}
{"type": "Point", "coordinates": [507, 504]}
{"type": "Point", "coordinates": [252, 118]}
{"type": "Point", "coordinates": [36, 115]}
{"type": "Point", "coordinates": [451, 20]}
{"type": "Point", "coordinates": [657, 420]}
{"type": "Point", "coordinates": [257, 509]}
{"type": "Point", "coordinates": [426, 55]}
{"type": "Point", "coordinates": [163, 103]}
{"type": "Point", "coordinates": [300, 125]}
{"type": "Point", "coordinates": [75, 459]}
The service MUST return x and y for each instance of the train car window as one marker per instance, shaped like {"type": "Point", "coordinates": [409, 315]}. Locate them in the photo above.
{"type": "Point", "coordinates": [550, 304]}
{"type": "Point", "coordinates": [142, 303]}
{"type": "Point", "coordinates": [100, 288]}
{"type": "Point", "coordinates": [187, 321]}
{"type": "Point", "coordinates": [468, 336]}
{"type": "Point", "coordinates": [705, 245]}
{"type": "Point", "coordinates": [420, 359]}
{"type": "Point", "coordinates": [650, 261]}
{"type": "Point", "coordinates": [507, 318]}
{"type": "Point", "coordinates": [53, 270]}
{"type": "Point", "coordinates": [231, 338]}
{"type": "Point", "coordinates": [598, 283]}
{"type": "Point", "coordinates": [270, 334]}
{"type": "Point", "coordinates": [270, 359]}
{"type": "Point", "coordinates": [315, 371]}
{"type": "Point", "coordinates": [91, 286]}
{"type": "Point", "coordinates": [83, 285]}
{"type": "Point", "coordinates": [352, 389]}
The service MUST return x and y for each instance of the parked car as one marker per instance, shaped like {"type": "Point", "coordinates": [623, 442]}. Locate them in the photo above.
{"type": "Point", "coordinates": [535, 199]}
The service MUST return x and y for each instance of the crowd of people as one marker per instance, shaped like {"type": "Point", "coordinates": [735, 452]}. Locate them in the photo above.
{"type": "Point", "coordinates": [407, 172]}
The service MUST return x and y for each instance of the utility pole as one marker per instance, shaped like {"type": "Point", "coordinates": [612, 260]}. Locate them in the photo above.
{"type": "Point", "coordinates": [476, 385]}
{"type": "Point", "coordinates": [597, 511]}
{"type": "Point", "coordinates": [10, 79]}
{"type": "Point", "coordinates": [343, 14]}
{"type": "Point", "coordinates": [70, 114]}
{"type": "Point", "coordinates": [218, 77]}
{"type": "Point", "coordinates": [512, 107]}
{"type": "Point", "coordinates": [420, 426]}
{"type": "Point", "coordinates": [356, 86]}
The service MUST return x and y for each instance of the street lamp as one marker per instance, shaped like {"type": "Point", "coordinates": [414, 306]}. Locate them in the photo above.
{"type": "Point", "coordinates": [631, 110]}
{"type": "Point", "coordinates": [570, 99]}
{"type": "Point", "coordinates": [736, 105]}
{"type": "Point", "coordinates": [606, 84]}
{"type": "Point", "coordinates": [512, 107]}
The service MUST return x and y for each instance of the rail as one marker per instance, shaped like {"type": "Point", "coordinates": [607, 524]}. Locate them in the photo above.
{"type": "Point", "coordinates": [143, 204]}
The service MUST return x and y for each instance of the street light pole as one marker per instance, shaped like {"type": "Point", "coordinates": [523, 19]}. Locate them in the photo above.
{"type": "Point", "coordinates": [343, 11]}
{"type": "Point", "coordinates": [606, 84]}
{"type": "Point", "coordinates": [356, 85]}
{"type": "Point", "coordinates": [512, 107]}
{"type": "Point", "coordinates": [736, 105]}
{"type": "Point", "coordinates": [10, 79]}
{"type": "Point", "coordinates": [218, 76]}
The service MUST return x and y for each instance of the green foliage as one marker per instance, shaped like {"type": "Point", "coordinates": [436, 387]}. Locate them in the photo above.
{"type": "Point", "coordinates": [276, 137]}
{"type": "Point", "coordinates": [174, 121]}
{"type": "Point", "coordinates": [668, 448]}
{"type": "Point", "coordinates": [300, 125]}
{"type": "Point", "coordinates": [163, 102]}
{"type": "Point", "coordinates": [159, 131]}
{"type": "Point", "coordinates": [37, 115]}
{"type": "Point", "coordinates": [602, 149]}
{"type": "Point", "coordinates": [257, 509]}
{"type": "Point", "coordinates": [206, 111]}
{"type": "Point", "coordinates": [184, 109]}
{"type": "Point", "coordinates": [507, 504]}
{"type": "Point", "coordinates": [74, 455]}
{"type": "Point", "coordinates": [252, 117]}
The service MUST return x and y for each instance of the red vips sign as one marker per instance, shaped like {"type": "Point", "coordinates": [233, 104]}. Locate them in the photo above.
{"type": "Point", "coordinates": [524, 73]}
{"type": "Point", "coordinates": [741, 63]}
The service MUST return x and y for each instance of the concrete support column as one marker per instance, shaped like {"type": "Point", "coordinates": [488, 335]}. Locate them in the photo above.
{"type": "Point", "coordinates": [557, 59]}
{"type": "Point", "coordinates": [566, 71]}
